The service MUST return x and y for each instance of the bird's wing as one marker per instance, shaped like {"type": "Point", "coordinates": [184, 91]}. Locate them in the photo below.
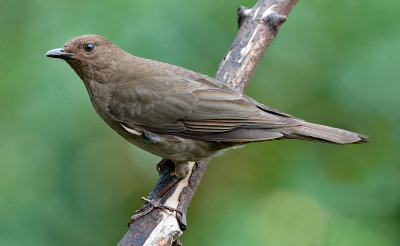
{"type": "Point", "coordinates": [197, 107]}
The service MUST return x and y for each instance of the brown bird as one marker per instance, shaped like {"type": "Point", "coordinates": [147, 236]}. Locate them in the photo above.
{"type": "Point", "coordinates": [176, 113]}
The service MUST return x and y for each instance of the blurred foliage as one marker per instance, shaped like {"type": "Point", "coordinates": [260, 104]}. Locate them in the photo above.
{"type": "Point", "coordinates": [67, 179]}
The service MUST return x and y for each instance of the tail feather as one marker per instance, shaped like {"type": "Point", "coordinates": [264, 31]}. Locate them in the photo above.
{"type": "Point", "coordinates": [321, 133]}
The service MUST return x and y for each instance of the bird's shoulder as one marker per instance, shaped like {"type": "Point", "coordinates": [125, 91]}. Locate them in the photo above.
{"type": "Point", "coordinates": [164, 75]}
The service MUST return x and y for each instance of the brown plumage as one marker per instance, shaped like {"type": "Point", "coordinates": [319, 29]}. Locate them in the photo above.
{"type": "Point", "coordinates": [174, 112]}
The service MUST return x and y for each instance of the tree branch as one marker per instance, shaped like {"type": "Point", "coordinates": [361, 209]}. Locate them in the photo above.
{"type": "Point", "coordinates": [258, 26]}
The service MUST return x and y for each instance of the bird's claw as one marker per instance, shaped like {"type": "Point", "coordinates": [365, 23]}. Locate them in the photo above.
{"type": "Point", "coordinates": [147, 208]}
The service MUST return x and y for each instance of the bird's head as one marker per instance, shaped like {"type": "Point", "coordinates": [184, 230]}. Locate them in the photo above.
{"type": "Point", "coordinates": [87, 55]}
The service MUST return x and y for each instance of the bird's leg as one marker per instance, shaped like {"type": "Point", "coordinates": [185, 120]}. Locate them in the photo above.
{"type": "Point", "coordinates": [161, 164]}
{"type": "Point", "coordinates": [181, 169]}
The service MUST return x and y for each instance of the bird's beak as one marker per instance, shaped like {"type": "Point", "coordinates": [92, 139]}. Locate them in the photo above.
{"type": "Point", "coordinates": [58, 53]}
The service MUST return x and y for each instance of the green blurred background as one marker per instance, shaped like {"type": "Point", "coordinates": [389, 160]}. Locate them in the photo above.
{"type": "Point", "coordinates": [67, 179]}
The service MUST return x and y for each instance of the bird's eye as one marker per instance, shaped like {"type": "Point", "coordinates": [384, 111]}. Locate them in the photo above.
{"type": "Point", "coordinates": [89, 47]}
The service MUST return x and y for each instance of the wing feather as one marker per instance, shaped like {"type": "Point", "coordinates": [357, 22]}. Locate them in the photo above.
{"type": "Point", "coordinates": [197, 108]}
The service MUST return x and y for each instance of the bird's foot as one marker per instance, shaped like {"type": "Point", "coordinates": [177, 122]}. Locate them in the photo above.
{"type": "Point", "coordinates": [149, 206]}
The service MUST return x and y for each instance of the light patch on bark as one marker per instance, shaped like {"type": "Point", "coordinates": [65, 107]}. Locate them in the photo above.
{"type": "Point", "coordinates": [165, 232]}
{"type": "Point", "coordinates": [248, 47]}
{"type": "Point", "coordinates": [268, 11]}
{"type": "Point", "coordinates": [173, 200]}
{"type": "Point", "coordinates": [247, 11]}
{"type": "Point", "coordinates": [255, 14]}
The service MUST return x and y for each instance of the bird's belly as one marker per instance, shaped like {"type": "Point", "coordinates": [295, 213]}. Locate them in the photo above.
{"type": "Point", "coordinates": [178, 149]}
{"type": "Point", "coordinates": [175, 148]}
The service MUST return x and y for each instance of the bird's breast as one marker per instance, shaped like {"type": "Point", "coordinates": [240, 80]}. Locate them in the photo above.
{"type": "Point", "coordinates": [99, 94]}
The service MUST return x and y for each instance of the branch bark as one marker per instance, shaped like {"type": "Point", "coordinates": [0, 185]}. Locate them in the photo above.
{"type": "Point", "coordinates": [258, 26]}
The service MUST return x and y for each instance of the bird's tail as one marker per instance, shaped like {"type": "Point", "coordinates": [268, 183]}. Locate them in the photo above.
{"type": "Point", "coordinates": [321, 133]}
